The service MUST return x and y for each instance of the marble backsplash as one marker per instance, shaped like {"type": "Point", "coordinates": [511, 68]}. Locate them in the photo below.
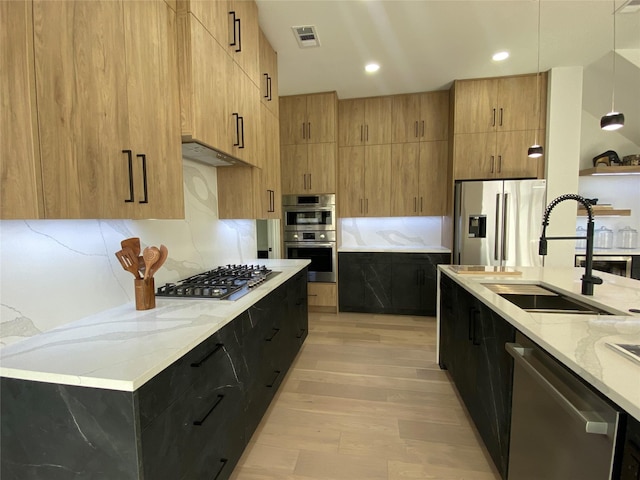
{"type": "Point", "coordinates": [54, 272]}
{"type": "Point", "coordinates": [390, 231]}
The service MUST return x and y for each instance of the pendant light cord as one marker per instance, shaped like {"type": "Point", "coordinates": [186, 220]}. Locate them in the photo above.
{"type": "Point", "coordinates": [538, 81]}
{"type": "Point", "coordinates": [613, 70]}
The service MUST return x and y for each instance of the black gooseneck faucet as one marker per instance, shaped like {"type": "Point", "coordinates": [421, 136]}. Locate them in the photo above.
{"type": "Point", "coordinates": [588, 280]}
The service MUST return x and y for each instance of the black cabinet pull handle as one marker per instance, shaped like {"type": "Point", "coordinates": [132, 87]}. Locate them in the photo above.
{"type": "Point", "coordinates": [493, 122]}
{"type": "Point", "coordinates": [233, 16]}
{"type": "Point", "coordinates": [266, 83]}
{"type": "Point", "coordinates": [501, 116]}
{"type": "Point", "coordinates": [241, 131]}
{"type": "Point", "coordinates": [269, 89]}
{"type": "Point", "coordinates": [309, 129]}
{"type": "Point", "coordinates": [239, 49]}
{"type": "Point", "coordinates": [207, 356]}
{"type": "Point", "coordinates": [273, 382]}
{"type": "Point", "coordinates": [302, 332]}
{"type": "Point", "coordinates": [275, 332]}
{"type": "Point", "coordinates": [201, 422]}
{"type": "Point", "coordinates": [237, 142]}
{"type": "Point", "coordinates": [422, 129]}
{"type": "Point", "coordinates": [224, 463]}
{"type": "Point", "coordinates": [144, 177]}
{"type": "Point", "coordinates": [130, 160]}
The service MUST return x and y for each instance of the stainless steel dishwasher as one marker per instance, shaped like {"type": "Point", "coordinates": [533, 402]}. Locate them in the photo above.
{"type": "Point", "coordinates": [560, 428]}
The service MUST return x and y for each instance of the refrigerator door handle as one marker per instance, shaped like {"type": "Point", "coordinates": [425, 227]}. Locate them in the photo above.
{"type": "Point", "coordinates": [495, 236]}
{"type": "Point", "coordinates": [505, 219]}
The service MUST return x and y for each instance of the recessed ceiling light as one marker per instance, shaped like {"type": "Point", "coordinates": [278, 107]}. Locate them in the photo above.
{"type": "Point", "coordinates": [500, 56]}
{"type": "Point", "coordinates": [372, 67]}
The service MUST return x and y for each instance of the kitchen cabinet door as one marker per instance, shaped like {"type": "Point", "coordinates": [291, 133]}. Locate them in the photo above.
{"type": "Point", "coordinates": [322, 117]}
{"type": "Point", "coordinates": [244, 37]}
{"type": "Point", "coordinates": [152, 75]}
{"type": "Point", "coordinates": [271, 173]}
{"type": "Point", "coordinates": [268, 75]}
{"type": "Point", "coordinates": [21, 193]}
{"type": "Point", "coordinates": [293, 120]}
{"type": "Point", "coordinates": [377, 120]}
{"type": "Point", "coordinates": [364, 282]}
{"type": "Point", "coordinates": [321, 168]}
{"type": "Point", "coordinates": [434, 116]}
{"type": "Point", "coordinates": [213, 15]}
{"type": "Point", "coordinates": [350, 182]}
{"type": "Point", "coordinates": [205, 90]}
{"type": "Point", "coordinates": [81, 77]}
{"type": "Point", "coordinates": [475, 106]}
{"type": "Point", "coordinates": [406, 118]}
{"type": "Point", "coordinates": [247, 133]}
{"type": "Point", "coordinates": [517, 98]}
{"type": "Point", "coordinates": [377, 181]}
{"type": "Point", "coordinates": [294, 168]}
{"type": "Point", "coordinates": [511, 151]}
{"type": "Point", "coordinates": [474, 156]}
{"type": "Point", "coordinates": [434, 182]}
{"type": "Point", "coordinates": [351, 122]}
{"type": "Point", "coordinates": [405, 179]}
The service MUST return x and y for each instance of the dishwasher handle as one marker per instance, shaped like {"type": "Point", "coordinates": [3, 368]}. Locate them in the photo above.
{"type": "Point", "coordinates": [598, 427]}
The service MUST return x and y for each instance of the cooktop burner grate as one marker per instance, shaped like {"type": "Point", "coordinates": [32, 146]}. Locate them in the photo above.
{"type": "Point", "coordinates": [222, 283]}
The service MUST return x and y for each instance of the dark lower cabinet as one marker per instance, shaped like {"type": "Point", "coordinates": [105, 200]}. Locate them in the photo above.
{"type": "Point", "coordinates": [192, 421]}
{"type": "Point", "coordinates": [472, 338]}
{"type": "Point", "coordinates": [394, 283]}
{"type": "Point", "coordinates": [630, 464]}
{"type": "Point", "coordinates": [635, 267]}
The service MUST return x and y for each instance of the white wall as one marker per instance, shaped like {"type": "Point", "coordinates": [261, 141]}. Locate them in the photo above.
{"type": "Point", "coordinates": [57, 271]}
{"type": "Point", "coordinates": [564, 117]}
{"type": "Point", "coordinates": [391, 231]}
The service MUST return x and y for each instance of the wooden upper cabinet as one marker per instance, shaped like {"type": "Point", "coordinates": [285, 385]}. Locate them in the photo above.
{"type": "Point", "coordinates": [151, 73]}
{"type": "Point", "coordinates": [268, 75]}
{"type": "Point", "coordinates": [293, 164]}
{"type": "Point", "coordinates": [499, 104]}
{"type": "Point", "coordinates": [213, 15]}
{"type": "Point", "coordinates": [513, 161]}
{"type": "Point", "coordinates": [364, 121]}
{"type": "Point", "coordinates": [420, 117]}
{"type": "Point", "coordinates": [405, 168]}
{"type": "Point", "coordinates": [308, 118]}
{"type": "Point", "coordinates": [474, 156]}
{"type": "Point", "coordinates": [244, 37]}
{"type": "Point", "coordinates": [321, 168]}
{"type": "Point", "coordinates": [434, 180]}
{"type": "Point", "coordinates": [245, 120]}
{"type": "Point", "coordinates": [82, 108]}
{"type": "Point", "coordinates": [21, 192]}
{"type": "Point", "coordinates": [364, 181]}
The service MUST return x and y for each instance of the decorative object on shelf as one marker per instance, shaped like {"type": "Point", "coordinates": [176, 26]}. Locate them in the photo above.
{"type": "Point", "coordinates": [606, 158]}
{"type": "Point", "coordinates": [628, 160]}
{"type": "Point", "coordinates": [603, 238]}
{"type": "Point", "coordinates": [143, 267]}
{"type": "Point", "coordinates": [627, 237]}
{"type": "Point", "coordinates": [535, 150]}
{"type": "Point", "coordinates": [613, 120]}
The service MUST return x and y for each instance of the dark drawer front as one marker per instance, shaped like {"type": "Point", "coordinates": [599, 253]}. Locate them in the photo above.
{"type": "Point", "coordinates": [195, 435]}
{"type": "Point", "coordinates": [218, 359]}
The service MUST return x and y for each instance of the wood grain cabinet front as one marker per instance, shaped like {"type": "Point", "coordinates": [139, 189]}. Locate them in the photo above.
{"type": "Point", "coordinates": [364, 121]}
{"type": "Point", "coordinates": [112, 148]}
{"type": "Point", "coordinates": [268, 75]}
{"type": "Point", "coordinates": [308, 119]}
{"type": "Point", "coordinates": [420, 117]}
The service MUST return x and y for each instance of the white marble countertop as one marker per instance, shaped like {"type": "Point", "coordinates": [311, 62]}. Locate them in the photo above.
{"type": "Point", "coordinates": [394, 249]}
{"type": "Point", "coordinates": [122, 348]}
{"type": "Point", "coordinates": [578, 341]}
{"type": "Point", "coordinates": [611, 251]}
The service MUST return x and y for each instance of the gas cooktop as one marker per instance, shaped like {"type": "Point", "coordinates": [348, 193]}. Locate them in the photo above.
{"type": "Point", "coordinates": [223, 283]}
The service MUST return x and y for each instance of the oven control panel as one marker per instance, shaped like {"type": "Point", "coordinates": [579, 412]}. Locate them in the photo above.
{"type": "Point", "coordinates": [310, 236]}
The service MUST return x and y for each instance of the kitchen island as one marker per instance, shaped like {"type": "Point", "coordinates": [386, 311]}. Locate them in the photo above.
{"type": "Point", "coordinates": [170, 393]}
{"type": "Point", "coordinates": [475, 324]}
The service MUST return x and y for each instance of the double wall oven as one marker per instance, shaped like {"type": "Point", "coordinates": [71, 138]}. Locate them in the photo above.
{"type": "Point", "coordinates": [310, 233]}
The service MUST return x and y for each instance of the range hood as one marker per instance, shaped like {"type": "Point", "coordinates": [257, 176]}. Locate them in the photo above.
{"type": "Point", "coordinates": [199, 152]}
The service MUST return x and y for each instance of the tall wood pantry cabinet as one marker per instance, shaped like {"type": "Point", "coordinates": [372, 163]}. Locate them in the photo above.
{"type": "Point", "coordinates": [364, 121]}
{"type": "Point", "coordinates": [308, 146]}
{"type": "Point", "coordinates": [101, 68]}
{"type": "Point", "coordinates": [495, 121]}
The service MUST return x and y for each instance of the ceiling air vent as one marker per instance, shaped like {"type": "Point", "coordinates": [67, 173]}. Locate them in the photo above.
{"type": "Point", "coordinates": [306, 36]}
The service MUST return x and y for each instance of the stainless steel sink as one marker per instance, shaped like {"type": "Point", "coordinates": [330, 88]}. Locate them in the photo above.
{"type": "Point", "coordinates": [539, 299]}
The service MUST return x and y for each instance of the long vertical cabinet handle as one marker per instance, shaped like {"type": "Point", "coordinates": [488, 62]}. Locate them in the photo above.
{"type": "Point", "coordinates": [241, 119]}
{"type": "Point", "coordinates": [269, 88]}
{"type": "Point", "coordinates": [420, 204]}
{"type": "Point", "coordinates": [233, 26]}
{"type": "Point", "coordinates": [130, 160]}
{"type": "Point", "coordinates": [366, 129]}
{"type": "Point", "coordinates": [501, 115]}
{"type": "Point", "coordinates": [362, 133]}
{"type": "Point", "coordinates": [422, 134]}
{"type": "Point", "coordinates": [499, 163]}
{"type": "Point", "coordinates": [309, 129]}
{"type": "Point", "coordinates": [237, 142]}
{"type": "Point", "coordinates": [366, 205]}
{"type": "Point", "coordinates": [144, 177]}
{"type": "Point", "coordinates": [304, 180]}
{"type": "Point", "coordinates": [505, 218]}
{"type": "Point", "coordinates": [266, 84]}
{"type": "Point", "coordinates": [493, 121]}
{"type": "Point", "coordinates": [415, 204]}
{"type": "Point", "coordinates": [361, 211]}
{"type": "Point", "coordinates": [309, 181]}
{"type": "Point", "coordinates": [493, 158]}
{"type": "Point", "coordinates": [239, 49]}
{"type": "Point", "coordinates": [415, 129]}
{"type": "Point", "coordinates": [304, 136]}
{"type": "Point", "coordinates": [495, 236]}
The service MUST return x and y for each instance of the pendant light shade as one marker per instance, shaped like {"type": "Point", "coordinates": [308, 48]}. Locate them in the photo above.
{"type": "Point", "coordinates": [535, 150]}
{"type": "Point", "coordinates": [612, 121]}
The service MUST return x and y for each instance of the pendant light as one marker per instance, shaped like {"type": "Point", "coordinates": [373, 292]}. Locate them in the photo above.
{"type": "Point", "coordinates": [613, 120]}
{"type": "Point", "coordinates": [535, 150]}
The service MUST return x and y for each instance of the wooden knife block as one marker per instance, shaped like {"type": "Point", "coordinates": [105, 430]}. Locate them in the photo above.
{"type": "Point", "coordinates": [145, 294]}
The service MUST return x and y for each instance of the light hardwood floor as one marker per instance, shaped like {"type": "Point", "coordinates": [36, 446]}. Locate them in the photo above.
{"type": "Point", "coordinates": [365, 400]}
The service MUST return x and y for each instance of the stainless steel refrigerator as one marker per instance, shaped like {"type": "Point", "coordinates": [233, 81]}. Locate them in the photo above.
{"type": "Point", "coordinates": [498, 222]}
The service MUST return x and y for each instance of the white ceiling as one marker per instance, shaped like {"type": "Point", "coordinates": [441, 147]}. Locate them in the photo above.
{"type": "Point", "coordinates": [423, 45]}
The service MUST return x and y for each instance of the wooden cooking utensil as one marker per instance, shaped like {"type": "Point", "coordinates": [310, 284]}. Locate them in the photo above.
{"type": "Point", "coordinates": [133, 243]}
{"type": "Point", "coordinates": [164, 253]}
{"type": "Point", "coordinates": [151, 256]}
{"type": "Point", "coordinates": [127, 264]}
